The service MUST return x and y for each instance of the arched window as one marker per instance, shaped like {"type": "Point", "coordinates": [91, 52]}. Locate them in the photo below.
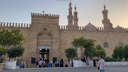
{"type": "Point", "coordinates": [106, 45]}
{"type": "Point", "coordinates": [121, 44]}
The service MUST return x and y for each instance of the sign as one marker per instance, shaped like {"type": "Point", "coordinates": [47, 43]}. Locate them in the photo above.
{"type": "Point", "coordinates": [44, 46]}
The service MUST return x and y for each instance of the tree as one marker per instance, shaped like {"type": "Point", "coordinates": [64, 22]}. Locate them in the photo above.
{"type": "Point", "coordinates": [118, 52]}
{"type": "Point", "coordinates": [11, 38]}
{"type": "Point", "coordinates": [2, 52]}
{"type": "Point", "coordinates": [16, 51]}
{"type": "Point", "coordinates": [99, 51]}
{"type": "Point", "coordinates": [89, 52]}
{"type": "Point", "coordinates": [83, 43]}
{"type": "Point", "coordinates": [126, 52]}
{"type": "Point", "coordinates": [89, 43]}
{"type": "Point", "coordinates": [70, 53]}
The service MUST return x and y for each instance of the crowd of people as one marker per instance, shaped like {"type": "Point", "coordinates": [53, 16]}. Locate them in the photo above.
{"type": "Point", "coordinates": [101, 65]}
{"type": "Point", "coordinates": [21, 64]}
{"type": "Point", "coordinates": [41, 63]}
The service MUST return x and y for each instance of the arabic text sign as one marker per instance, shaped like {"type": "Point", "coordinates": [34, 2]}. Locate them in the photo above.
{"type": "Point", "coordinates": [44, 46]}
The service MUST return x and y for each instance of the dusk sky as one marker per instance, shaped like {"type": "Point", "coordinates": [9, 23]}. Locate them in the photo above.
{"type": "Point", "coordinates": [19, 11]}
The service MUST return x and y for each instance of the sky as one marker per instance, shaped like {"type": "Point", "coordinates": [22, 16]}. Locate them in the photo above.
{"type": "Point", "coordinates": [19, 11]}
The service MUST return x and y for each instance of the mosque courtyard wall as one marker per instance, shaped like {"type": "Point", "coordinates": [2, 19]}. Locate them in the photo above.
{"type": "Point", "coordinates": [113, 38]}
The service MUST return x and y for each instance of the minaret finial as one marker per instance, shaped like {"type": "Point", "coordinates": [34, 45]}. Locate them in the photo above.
{"type": "Point", "coordinates": [70, 3]}
{"type": "Point", "coordinates": [43, 12]}
{"type": "Point", "coordinates": [117, 24]}
{"type": "Point", "coordinates": [104, 7]}
{"type": "Point", "coordinates": [75, 8]}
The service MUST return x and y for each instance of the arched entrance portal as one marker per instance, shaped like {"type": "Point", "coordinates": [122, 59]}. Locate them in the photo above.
{"type": "Point", "coordinates": [44, 45]}
{"type": "Point", "coordinates": [44, 54]}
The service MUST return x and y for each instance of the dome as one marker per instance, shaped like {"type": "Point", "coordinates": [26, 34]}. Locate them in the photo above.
{"type": "Point", "coordinates": [89, 26]}
{"type": "Point", "coordinates": [119, 28]}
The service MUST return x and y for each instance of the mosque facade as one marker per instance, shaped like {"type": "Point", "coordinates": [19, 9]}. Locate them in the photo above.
{"type": "Point", "coordinates": [47, 39]}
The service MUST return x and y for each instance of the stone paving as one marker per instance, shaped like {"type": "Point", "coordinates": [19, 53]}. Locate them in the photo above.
{"type": "Point", "coordinates": [108, 69]}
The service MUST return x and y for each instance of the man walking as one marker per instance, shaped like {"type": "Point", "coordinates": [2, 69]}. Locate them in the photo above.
{"type": "Point", "coordinates": [101, 66]}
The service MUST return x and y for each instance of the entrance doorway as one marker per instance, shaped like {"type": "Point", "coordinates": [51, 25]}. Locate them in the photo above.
{"type": "Point", "coordinates": [44, 55]}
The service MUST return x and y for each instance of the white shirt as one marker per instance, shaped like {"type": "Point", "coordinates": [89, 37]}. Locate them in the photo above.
{"type": "Point", "coordinates": [40, 62]}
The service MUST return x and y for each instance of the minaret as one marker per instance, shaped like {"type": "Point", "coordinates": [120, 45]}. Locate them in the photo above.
{"type": "Point", "coordinates": [75, 17]}
{"type": "Point", "coordinates": [70, 16]}
{"type": "Point", "coordinates": [105, 12]}
{"type": "Point", "coordinates": [106, 21]}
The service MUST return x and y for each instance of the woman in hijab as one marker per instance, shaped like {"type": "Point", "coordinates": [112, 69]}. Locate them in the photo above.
{"type": "Point", "coordinates": [87, 62]}
{"type": "Point", "coordinates": [61, 63]}
{"type": "Point", "coordinates": [70, 63]}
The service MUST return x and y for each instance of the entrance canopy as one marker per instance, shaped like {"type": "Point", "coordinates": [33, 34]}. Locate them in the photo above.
{"type": "Point", "coordinates": [44, 46]}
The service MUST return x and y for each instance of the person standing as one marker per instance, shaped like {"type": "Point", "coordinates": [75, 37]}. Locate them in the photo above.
{"type": "Point", "coordinates": [37, 63]}
{"type": "Point", "coordinates": [61, 63]}
{"type": "Point", "coordinates": [101, 66]}
{"type": "Point", "coordinates": [83, 59]}
{"type": "Point", "coordinates": [55, 63]}
{"type": "Point", "coordinates": [40, 63]}
{"type": "Point", "coordinates": [87, 62]}
{"type": "Point", "coordinates": [70, 63]}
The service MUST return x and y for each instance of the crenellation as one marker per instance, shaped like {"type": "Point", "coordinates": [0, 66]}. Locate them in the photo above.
{"type": "Point", "coordinates": [18, 24]}
{"type": "Point", "coordinates": [64, 27]}
{"type": "Point", "coordinates": [4, 24]}
{"type": "Point", "coordinates": [27, 25]}
{"type": "Point", "coordinates": [21, 24]}
{"type": "Point", "coordinates": [13, 24]}
{"type": "Point", "coordinates": [24, 25]}
{"type": "Point", "coordinates": [61, 27]}
{"type": "Point", "coordinates": [46, 15]}
{"type": "Point", "coordinates": [8, 24]}
{"type": "Point", "coordinates": [1, 24]}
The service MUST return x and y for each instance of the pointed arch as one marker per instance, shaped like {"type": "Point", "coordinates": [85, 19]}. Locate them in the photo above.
{"type": "Point", "coordinates": [121, 44]}
{"type": "Point", "coordinates": [106, 45]}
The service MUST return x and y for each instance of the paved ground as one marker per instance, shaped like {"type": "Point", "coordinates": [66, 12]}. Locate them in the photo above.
{"type": "Point", "coordinates": [108, 69]}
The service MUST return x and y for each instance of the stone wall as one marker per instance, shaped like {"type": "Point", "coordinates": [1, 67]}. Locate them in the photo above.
{"type": "Point", "coordinates": [113, 38]}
